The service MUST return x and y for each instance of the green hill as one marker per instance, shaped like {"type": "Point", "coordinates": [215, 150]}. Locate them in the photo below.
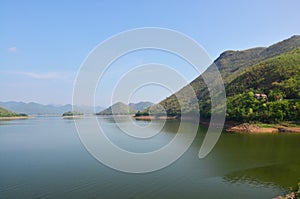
{"type": "Point", "coordinates": [119, 109]}
{"type": "Point", "coordinates": [7, 113]}
{"type": "Point", "coordinates": [279, 79]}
{"type": "Point", "coordinates": [231, 65]}
{"type": "Point", "coordinates": [281, 73]}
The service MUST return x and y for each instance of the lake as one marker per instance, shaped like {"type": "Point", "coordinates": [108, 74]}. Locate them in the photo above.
{"type": "Point", "coordinates": [43, 157]}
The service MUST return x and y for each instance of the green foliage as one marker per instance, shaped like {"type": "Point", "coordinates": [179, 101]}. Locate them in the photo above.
{"type": "Point", "coordinates": [277, 77]}
{"type": "Point", "coordinates": [244, 108]}
{"type": "Point", "coordinates": [72, 113]}
{"type": "Point", "coordinates": [7, 113]}
{"type": "Point", "coordinates": [142, 113]}
{"type": "Point", "coordinates": [274, 71]}
{"type": "Point", "coordinates": [265, 125]}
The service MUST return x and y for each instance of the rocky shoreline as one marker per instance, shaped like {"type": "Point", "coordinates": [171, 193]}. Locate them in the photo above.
{"type": "Point", "coordinates": [287, 196]}
{"type": "Point", "coordinates": [232, 127]}
{"type": "Point", "coordinates": [253, 128]}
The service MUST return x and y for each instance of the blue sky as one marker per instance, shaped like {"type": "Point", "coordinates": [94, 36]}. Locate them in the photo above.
{"type": "Point", "coordinates": [43, 43]}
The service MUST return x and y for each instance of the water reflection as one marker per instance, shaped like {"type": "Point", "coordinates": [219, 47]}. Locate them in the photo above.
{"type": "Point", "coordinates": [43, 158]}
{"type": "Point", "coordinates": [280, 175]}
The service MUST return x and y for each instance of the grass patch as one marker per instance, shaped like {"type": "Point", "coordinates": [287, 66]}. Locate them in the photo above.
{"type": "Point", "coordinates": [265, 125]}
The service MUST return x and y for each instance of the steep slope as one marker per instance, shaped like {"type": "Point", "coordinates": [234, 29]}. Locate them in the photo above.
{"type": "Point", "coordinates": [118, 108]}
{"type": "Point", "coordinates": [280, 73]}
{"type": "Point", "coordinates": [278, 79]}
{"type": "Point", "coordinates": [282, 47]}
{"type": "Point", "coordinates": [230, 64]}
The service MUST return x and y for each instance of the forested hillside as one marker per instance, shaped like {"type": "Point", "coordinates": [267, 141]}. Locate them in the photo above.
{"type": "Point", "coordinates": [279, 79]}
{"type": "Point", "coordinates": [7, 113]}
{"type": "Point", "coordinates": [274, 69]}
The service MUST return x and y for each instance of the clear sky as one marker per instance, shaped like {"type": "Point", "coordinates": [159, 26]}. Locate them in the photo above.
{"type": "Point", "coordinates": [43, 43]}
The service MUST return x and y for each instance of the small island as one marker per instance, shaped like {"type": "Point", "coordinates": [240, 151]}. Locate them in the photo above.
{"type": "Point", "coordinates": [9, 115]}
{"type": "Point", "coordinates": [72, 114]}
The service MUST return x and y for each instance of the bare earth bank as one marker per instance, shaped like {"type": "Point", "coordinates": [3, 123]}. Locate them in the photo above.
{"type": "Point", "coordinates": [235, 128]}
{"type": "Point", "coordinates": [252, 128]}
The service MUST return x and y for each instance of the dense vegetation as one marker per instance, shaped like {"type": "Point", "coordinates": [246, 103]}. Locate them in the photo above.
{"type": "Point", "coordinates": [273, 71]}
{"type": "Point", "coordinates": [118, 108]}
{"type": "Point", "coordinates": [7, 113]}
{"type": "Point", "coordinates": [142, 113]}
{"type": "Point", "coordinates": [280, 74]}
{"type": "Point", "coordinates": [245, 108]}
{"type": "Point", "coordinates": [279, 79]}
{"type": "Point", "coordinates": [72, 113]}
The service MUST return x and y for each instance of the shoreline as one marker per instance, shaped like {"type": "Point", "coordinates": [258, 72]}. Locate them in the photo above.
{"type": "Point", "coordinates": [257, 128]}
{"type": "Point", "coordinates": [16, 117]}
{"type": "Point", "coordinates": [148, 118]}
{"type": "Point", "coordinates": [234, 127]}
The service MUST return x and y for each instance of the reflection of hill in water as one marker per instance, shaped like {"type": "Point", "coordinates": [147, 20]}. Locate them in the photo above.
{"type": "Point", "coordinates": [281, 175]}
{"type": "Point", "coordinates": [262, 160]}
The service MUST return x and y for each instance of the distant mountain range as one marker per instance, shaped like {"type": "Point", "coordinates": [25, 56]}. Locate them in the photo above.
{"type": "Point", "coordinates": [33, 108]}
{"type": "Point", "coordinates": [118, 108]}
{"type": "Point", "coordinates": [140, 105]}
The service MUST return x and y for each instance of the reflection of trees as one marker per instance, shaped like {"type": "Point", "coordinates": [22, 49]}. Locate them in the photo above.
{"type": "Point", "coordinates": [171, 126]}
{"type": "Point", "coordinates": [282, 175]}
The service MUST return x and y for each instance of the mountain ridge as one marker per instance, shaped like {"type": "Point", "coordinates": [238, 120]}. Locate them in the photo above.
{"type": "Point", "coordinates": [140, 105]}
{"type": "Point", "coordinates": [33, 108]}
{"type": "Point", "coordinates": [230, 64]}
{"type": "Point", "coordinates": [267, 92]}
{"type": "Point", "coordinates": [119, 108]}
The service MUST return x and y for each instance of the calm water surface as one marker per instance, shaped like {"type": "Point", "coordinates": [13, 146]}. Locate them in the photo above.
{"type": "Point", "coordinates": [44, 158]}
